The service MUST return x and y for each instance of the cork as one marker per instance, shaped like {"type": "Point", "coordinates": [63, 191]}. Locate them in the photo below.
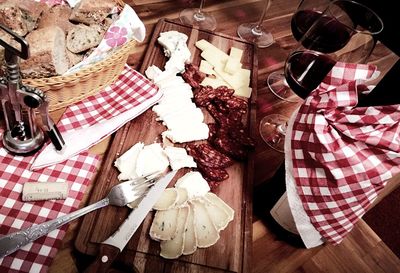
{"type": "Point", "coordinates": [36, 191]}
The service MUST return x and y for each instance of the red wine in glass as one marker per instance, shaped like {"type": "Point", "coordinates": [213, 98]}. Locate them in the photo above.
{"type": "Point", "coordinates": [329, 35]}
{"type": "Point", "coordinates": [305, 70]}
{"type": "Point", "coordinates": [302, 20]}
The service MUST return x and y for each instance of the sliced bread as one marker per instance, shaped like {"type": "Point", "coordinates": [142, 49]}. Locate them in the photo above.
{"type": "Point", "coordinates": [47, 53]}
{"type": "Point", "coordinates": [82, 37]}
{"type": "Point", "coordinates": [91, 11]}
{"type": "Point", "coordinates": [57, 16]}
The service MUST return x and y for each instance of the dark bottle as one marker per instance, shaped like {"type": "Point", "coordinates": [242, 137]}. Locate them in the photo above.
{"type": "Point", "coordinates": [266, 197]}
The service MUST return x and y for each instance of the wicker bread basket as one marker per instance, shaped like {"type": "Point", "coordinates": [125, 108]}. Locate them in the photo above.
{"type": "Point", "coordinates": [66, 90]}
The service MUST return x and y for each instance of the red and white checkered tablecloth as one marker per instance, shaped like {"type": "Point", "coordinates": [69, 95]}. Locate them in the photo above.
{"type": "Point", "coordinates": [343, 155]}
{"type": "Point", "coordinates": [129, 96]}
{"type": "Point", "coordinates": [16, 214]}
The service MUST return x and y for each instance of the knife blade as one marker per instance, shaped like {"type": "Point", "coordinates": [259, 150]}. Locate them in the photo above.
{"type": "Point", "coordinates": [111, 247]}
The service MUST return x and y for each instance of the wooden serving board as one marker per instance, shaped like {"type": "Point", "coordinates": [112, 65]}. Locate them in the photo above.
{"type": "Point", "coordinates": [232, 251]}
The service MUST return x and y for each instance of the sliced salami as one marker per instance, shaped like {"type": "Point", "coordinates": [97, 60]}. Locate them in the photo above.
{"type": "Point", "coordinates": [204, 154]}
{"type": "Point", "coordinates": [213, 174]}
{"type": "Point", "coordinates": [193, 76]}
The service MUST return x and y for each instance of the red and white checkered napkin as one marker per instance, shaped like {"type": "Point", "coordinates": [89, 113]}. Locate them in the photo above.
{"type": "Point", "coordinates": [93, 119]}
{"type": "Point", "coordinates": [16, 214]}
{"type": "Point", "coordinates": [342, 155]}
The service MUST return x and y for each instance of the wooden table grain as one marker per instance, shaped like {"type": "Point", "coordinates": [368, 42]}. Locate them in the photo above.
{"type": "Point", "coordinates": [229, 14]}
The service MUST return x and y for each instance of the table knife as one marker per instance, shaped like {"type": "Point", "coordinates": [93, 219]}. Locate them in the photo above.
{"type": "Point", "coordinates": [111, 247]}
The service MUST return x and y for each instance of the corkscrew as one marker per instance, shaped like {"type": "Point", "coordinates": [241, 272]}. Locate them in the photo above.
{"type": "Point", "coordinates": [20, 103]}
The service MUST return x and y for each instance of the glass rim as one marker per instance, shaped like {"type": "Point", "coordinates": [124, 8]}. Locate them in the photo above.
{"type": "Point", "coordinates": [379, 19]}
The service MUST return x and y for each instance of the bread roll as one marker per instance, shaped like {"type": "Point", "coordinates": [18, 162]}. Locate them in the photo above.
{"type": "Point", "coordinates": [12, 17]}
{"type": "Point", "coordinates": [91, 11]}
{"type": "Point", "coordinates": [57, 16]}
{"type": "Point", "coordinates": [47, 53]}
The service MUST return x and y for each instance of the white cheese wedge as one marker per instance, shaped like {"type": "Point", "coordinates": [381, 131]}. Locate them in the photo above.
{"type": "Point", "coordinates": [166, 108]}
{"type": "Point", "coordinates": [218, 215]}
{"type": "Point", "coordinates": [206, 233]}
{"type": "Point", "coordinates": [179, 158]}
{"type": "Point", "coordinates": [194, 183]}
{"type": "Point", "coordinates": [183, 197]}
{"type": "Point", "coordinates": [190, 241]}
{"type": "Point", "coordinates": [164, 224]}
{"type": "Point", "coordinates": [211, 197]}
{"type": "Point", "coordinates": [151, 160]}
{"type": "Point", "coordinates": [126, 163]}
{"type": "Point", "coordinates": [187, 133]}
{"type": "Point", "coordinates": [183, 117]}
{"type": "Point", "coordinates": [168, 81]}
{"type": "Point", "coordinates": [167, 200]}
{"type": "Point", "coordinates": [173, 248]}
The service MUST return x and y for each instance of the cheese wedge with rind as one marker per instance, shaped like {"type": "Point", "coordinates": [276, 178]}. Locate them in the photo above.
{"type": "Point", "coordinates": [206, 232]}
{"type": "Point", "coordinates": [164, 224]}
{"type": "Point", "coordinates": [218, 215]}
{"type": "Point", "coordinates": [173, 248]}
{"type": "Point", "coordinates": [167, 200]}
{"type": "Point", "coordinates": [213, 198]}
{"type": "Point", "coordinates": [190, 240]}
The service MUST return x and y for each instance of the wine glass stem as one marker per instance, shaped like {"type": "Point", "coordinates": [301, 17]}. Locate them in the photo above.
{"type": "Point", "coordinates": [257, 29]}
{"type": "Point", "coordinates": [199, 15]}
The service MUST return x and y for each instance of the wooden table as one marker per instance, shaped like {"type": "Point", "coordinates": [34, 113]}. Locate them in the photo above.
{"type": "Point", "coordinates": [228, 15]}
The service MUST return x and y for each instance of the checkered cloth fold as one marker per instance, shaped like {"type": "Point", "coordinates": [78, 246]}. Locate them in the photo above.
{"type": "Point", "coordinates": [343, 155]}
{"type": "Point", "coordinates": [91, 120]}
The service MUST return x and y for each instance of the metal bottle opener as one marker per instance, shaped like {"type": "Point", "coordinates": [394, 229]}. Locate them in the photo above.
{"type": "Point", "coordinates": [20, 103]}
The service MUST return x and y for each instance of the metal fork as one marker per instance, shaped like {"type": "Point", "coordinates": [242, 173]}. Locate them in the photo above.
{"type": "Point", "coordinates": [119, 195]}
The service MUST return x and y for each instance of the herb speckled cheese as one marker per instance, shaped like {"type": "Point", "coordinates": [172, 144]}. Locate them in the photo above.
{"type": "Point", "coordinates": [173, 248]}
{"type": "Point", "coordinates": [206, 232]}
{"type": "Point", "coordinates": [164, 224]}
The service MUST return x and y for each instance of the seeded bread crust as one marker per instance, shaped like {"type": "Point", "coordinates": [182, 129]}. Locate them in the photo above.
{"type": "Point", "coordinates": [57, 16]}
{"type": "Point", "coordinates": [48, 55]}
{"type": "Point", "coordinates": [82, 37]}
{"type": "Point", "coordinates": [91, 12]}
{"type": "Point", "coordinates": [12, 17]}
{"type": "Point", "coordinates": [31, 11]}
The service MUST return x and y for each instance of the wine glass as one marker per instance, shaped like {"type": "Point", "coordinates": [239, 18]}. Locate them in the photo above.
{"type": "Point", "coordinates": [199, 18]}
{"type": "Point", "coordinates": [253, 32]}
{"type": "Point", "coordinates": [307, 12]}
{"type": "Point", "coordinates": [345, 32]}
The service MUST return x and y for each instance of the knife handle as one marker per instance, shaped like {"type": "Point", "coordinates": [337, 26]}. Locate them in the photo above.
{"type": "Point", "coordinates": [104, 259]}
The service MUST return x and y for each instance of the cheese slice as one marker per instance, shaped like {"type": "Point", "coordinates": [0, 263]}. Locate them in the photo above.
{"type": "Point", "coordinates": [243, 91]}
{"type": "Point", "coordinates": [164, 224]}
{"type": "Point", "coordinates": [190, 241]}
{"type": "Point", "coordinates": [237, 80]}
{"type": "Point", "coordinates": [126, 163]}
{"type": "Point", "coordinates": [233, 63]}
{"type": "Point", "coordinates": [206, 68]}
{"type": "Point", "coordinates": [215, 58]}
{"type": "Point", "coordinates": [179, 158]}
{"type": "Point", "coordinates": [187, 133]}
{"type": "Point", "coordinates": [194, 183]}
{"type": "Point", "coordinates": [173, 248]}
{"type": "Point", "coordinates": [206, 233]}
{"type": "Point", "coordinates": [151, 160]}
{"type": "Point", "coordinates": [218, 215]}
{"type": "Point", "coordinates": [214, 83]}
{"type": "Point", "coordinates": [183, 197]}
{"type": "Point", "coordinates": [211, 197]}
{"type": "Point", "coordinates": [167, 200]}
{"type": "Point", "coordinates": [183, 117]}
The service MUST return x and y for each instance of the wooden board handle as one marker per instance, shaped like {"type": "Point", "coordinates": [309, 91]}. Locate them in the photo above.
{"type": "Point", "coordinates": [104, 259]}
